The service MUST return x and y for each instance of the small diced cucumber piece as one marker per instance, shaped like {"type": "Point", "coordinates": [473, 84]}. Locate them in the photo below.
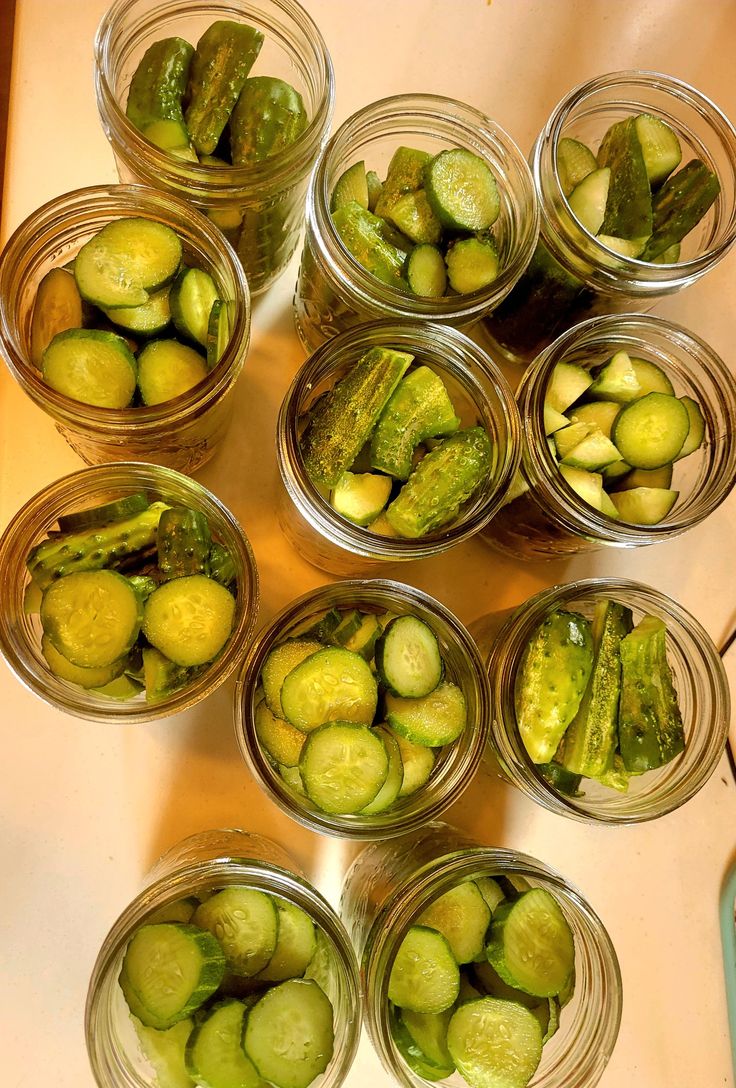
{"type": "Point", "coordinates": [424, 976]}
{"type": "Point", "coordinates": [472, 264]}
{"type": "Point", "coordinates": [574, 162]}
{"type": "Point", "coordinates": [644, 505]}
{"type": "Point", "coordinates": [462, 190]}
{"type": "Point", "coordinates": [495, 1044]}
{"type": "Point", "coordinates": [245, 922]}
{"type": "Point", "coordinates": [351, 185]}
{"type": "Point", "coordinates": [361, 498]}
{"type": "Point", "coordinates": [660, 147]}
{"type": "Point", "coordinates": [588, 485]}
{"type": "Point", "coordinates": [588, 200]}
{"type": "Point", "coordinates": [616, 381]}
{"type": "Point", "coordinates": [593, 452]}
{"type": "Point", "coordinates": [650, 432]}
{"type": "Point", "coordinates": [696, 433]}
{"type": "Point", "coordinates": [462, 916]}
{"type": "Point", "coordinates": [570, 436]}
{"type": "Point", "coordinates": [279, 663]}
{"type": "Point", "coordinates": [433, 720]}
{"type": "Point", "coordinates": [426, 272]}
{"type": "Point", "coordinates": [413, 216]}
{"type": "Point", "coordinates": [56, 308]}
{"type": "Point", "coordinates": [343, 766]}
{"type": "Point", "coordinates": [566, 384]}
{"type": "Point", "coordinates": [629, 199]}
{"type": "Point", "coordinates": [615, 471]}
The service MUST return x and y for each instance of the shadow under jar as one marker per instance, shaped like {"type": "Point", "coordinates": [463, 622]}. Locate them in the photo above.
{"type": "Point", "coordinates": [197, 866]}
{"type": "Point", "coordinates": [572, 275]}
{"type": "Point", "coordinates": [702, 695]}
{"type": "Point", "coordinates": [334, 291]}
{"type": "Point", "coordinates": [455, 763]}
{"type": "Point", "coordinates": [480, 395]}
{"type": "Point", "coordinates": [182, 433]}
{"type": "Point", "coordinates": [390, 884]}
{"type": "Point", "coordinates": [21, 631]}
{"type": "Point", "coordinates": [260, 206]}
{"type": "Point", "coordinates": [549, 520]}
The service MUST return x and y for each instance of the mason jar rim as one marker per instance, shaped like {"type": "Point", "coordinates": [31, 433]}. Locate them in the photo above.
{"type": "Point", "coordinates": [438, 876]}
{"type": "Point", "coordinates": [538, 461]}
{"type": "Point", "coordinates": [226, 870]}
{"type": "Point", "coordinates": [34, 518]}
{"type": "Point", "coordinates": [504, 657]}
{"type": "Point", "coordinates": [219, 182]}
{"type": "Point", "coordinates": [618, 272]}
{"type": "Point", "coordinates": [73, 208]}
{"type": "Point", "coordinates": [479, 131]}
{"type": "Point", "coordinates": [324, 361]}
{"type": "Point", "coordinates": [421, 808]}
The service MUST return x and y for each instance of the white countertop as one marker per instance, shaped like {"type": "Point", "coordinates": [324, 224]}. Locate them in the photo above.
{"type": "Point", "coordinates": [85, 810]}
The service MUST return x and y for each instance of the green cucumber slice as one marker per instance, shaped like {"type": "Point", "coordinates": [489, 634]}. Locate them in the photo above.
{"type": "Point", "coordinates": [660, 147]}
{"type": "Point", "coordinates": [351, 185]}
{"type": "Point", "coordinates": [105, 514]}
{"type": "Point", "coordinates": [588, 199]}
{"type": "Point", "coordinates": [492, 985]}
{"type": "Point", "coordinates": [424, 976]}
{"type": "Point", "coordinates": [330, 685]}
{"type": "Point", "coordinates": [127, 261]}
{"type": "Point", "coordinates": [616, 381]}
{"type": "Point", "coordinates": [472, 264]}
{"type": "Point", "coordinates": [412, 214]}
{"type": "Point", "coordinates": [282, 742]}
{"type": "Point", "coordinates": [433, 720]}
{"type": "Point", "coordinates": [85, 677]}
{"type": "Point", "coordinates": [91, 617]}
{"type": "Point", "coordinates": [191, 298]}
{"type": "Point", "coordinates": [150, 319]}
{"type": "Point", "coordinates": [429, 1033]}
{"type": "Point", "coordinates": [91, 366]}
{"type": "Point", "coordinates": [364, 640]}
{"type": "Point", "coordinates": [180, 910]}
{"type": "Point", "coordinates": [167, 369]}
{"type": "Point", "coordinates": [412, 1054]}
{"type": "Point", "coordinates": [462, 190]}
{"type": "Point", "coordinates": [565, 385]}
{"type": "Point", "coordinates": [165, 1051]}
{"type": "Point", "coordinates": [651, 431]}
{"type": "Point", "coordinates": [491, 891]}
{"type": "Point", "coordinates": [245, 922]}
{"type": "Point", "coordinates": [218, 332]}
{"type": "Point", "coordinates": [189, 619]}
{"type": "Point", "coordinates": [279, 663]}
{"type": "Point", "coordinates": [391, 788]}
{"type": "Point", "coordinates": [360, 497]}
{"type": "Point", "coordinates": [214, 1056]}
{"type": "Point", "coordinates": [651, 378]}
{"type": "Point", "coordinates": [418, 762]}
{"type": "Point", "coordinates": [57, 307]}
{"type": "Point", "coordinates": [343, 766]}
{"type": "Point", "coordinates": [289, 1034]}
{"type": "Point", "coordinates": [408, 658]}
{"type": "Point", "coordinates": [462, 916]}
{"type": "Point", "coordinates": [574, 162]}
{"type": "Point", "coordinates": [426, 272]}
{"type": "Point", "coordinates": [375, 188]}
{"type": "Point", "coordinates": [696, 432]}
{"type": "Point", "coordinates": [495, 1044]}
{"type": "Point", "coordinates": [600, 413]}
{"type": "Point", "coordinates": [419, 408]}
{"type": "Point", "coordinates": [644, 505]}
{"type": "Point", "coordinates": [531, 945]}
{"type": "Point", "coordinates": [646, 477]}
{"type": "Point", "coordinates": [296, 945]}
{"type": "Point", "coordinates": [171, 969]}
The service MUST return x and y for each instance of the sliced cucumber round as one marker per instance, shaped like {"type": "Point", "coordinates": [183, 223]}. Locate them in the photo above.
{"type": "Point", "coordinates": [86, 678]}
{"type": "Point", "coordinates": [214, 1055]}
{"type": "Point", "coordinates": [192, 296]}
{"type": "Point", "coordinates": [279, 664]}
{"type": "Point", "coordinates": [650, 431]}
{"type": "Point", "coordinates": [150, 319]}
{"type": "Point", "coordinates": [245, 922]}
{"type": "Point", "coordinates": [424, 976]}
{"type": "Point", "coordinates": [282, 741]}
{"type": "Point", "coordinates": [91, 617]}
{"type": "Point", "coordinates": [126, 261]}
{"type": "Point", "coordinates": [296, 945]}
{"type": "Point", "coordinates": [391, 788]}
{"type": "Point", "coordinates": [332, 685]}
{"type": "Point", "coordinates": [91, 366]}
{"type": "Point", "coordinates": [343, 766]}
{"type": "Point", "coordinates": [189, 619]}
{"type": "Point", "coordinates": [418, 762]}
{"type": "Point", "coordinates": [166, 369]}
{"type": "Point", "coordinates": [434, 720]}
{"type": "Point", "coordinates": [289, 1034]}
{"type": "Point", "coordinates": [495, 1044]}
{"type": "Point", "coordinates": [57, 307]}
{"type": "Point", "coordinates": [531, 944]}
{"type": "Point", "coordinates": [462, 190]}
{"type": "Point", "coordinates": [462, 916]}
{"type": "Point", "coordinates": [408, 657]}
{"type": "Point", "coordinates": [96, 516]}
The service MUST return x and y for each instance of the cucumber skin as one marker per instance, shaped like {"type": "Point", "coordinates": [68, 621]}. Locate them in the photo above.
{"type": "Point", "coordinates": [629, 203]}
{"type": "Point", "coordinates": [590, 740]}
{"type": "Point", "coordinates": [224, 56]}
{"type": "Point", "coordinates": [268, 116]}
{"type": "Point", "coordinates": [183, 542]}
{"type": "Point", "coordinates": [418, 408]}
{"type": "Point", "coordinates": [364, 236]}
{"type": "Point", "coordinates": [343, 422]}
{"type": "Point", "coordinates": [679, 206]}
{"type": "Point", "coordinates": [95, 549]}
{"type": "Point", "coordinates": [441, 483]}
{"type": "Point", "coordinates": [649, 722]}
{"type": "Point", "coordinates": [405, 175]}
{"type": "Point", "coordinates": [559, 659]}
{"type": "Point", "coordinates": [159, 83]}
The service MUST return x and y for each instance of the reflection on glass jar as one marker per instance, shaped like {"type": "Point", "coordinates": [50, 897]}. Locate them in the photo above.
{"type": "Point", "coordinates": [548, 519]}
{"type": "Point", "coordinates": [125, 1054]}
{"type": "Point", "coordinates": [572, 275]}
{"type": "Point", "coordinates": [390, 884]}
{"type": "Point", "coordinates": [259, 207]}
{"type": "Point", "coordinates": [701, 691]}
{"type": "Point", "coordinates": [480, 396]}
{"type": "Point", "coordinates": [334, 291]}
{"type": "Point", "coordinates": [182, 433]}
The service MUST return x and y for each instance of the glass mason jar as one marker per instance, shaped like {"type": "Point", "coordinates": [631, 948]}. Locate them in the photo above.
{"type": "Point", "coordinates": [456, 763]}
{"type": "Point", "coordinates": [196, 866]}
{"type": "Point", "coordinates": [549, 520]}
{"type": "Point", "coordinates": [182, 433]}
{"type": "Point", "coordinates": [573, 276]}
{"type": "Point", "coordinates": [334, 291]}
{"type": "Point", "coordinates": [702, 692]}
{"type": "Point", "coordinates": [20, 629]}
{"type": "Point", "coordinates": [480, 395]}
{"type": "Point", "coordinates": [260, 207]}
{"type": "Point", "coordinates": [389, 884]}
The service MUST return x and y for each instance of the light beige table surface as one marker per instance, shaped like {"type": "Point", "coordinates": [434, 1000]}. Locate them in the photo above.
{"type": "Point", "coordinates": [85, 810]}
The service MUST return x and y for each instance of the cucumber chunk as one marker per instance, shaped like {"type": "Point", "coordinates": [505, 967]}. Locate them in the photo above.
{"type": "Point", "coordinates": [162, 677]}
{"type": "Point", "coordinates": [472, 264]}
{"type": "Point", "coordinates": [433, 720]}
{"type": "Point", "coordinates": [364, 236]}
{"type": "Point", "coordinates": [222, 60]}
{"type": "Point", "coordinates": [587, 485]}
{"type": "Point", "coordinates": [462, 916]}
{"type": "Point", "coordinates": [660, 147]}
{"type": "Point", "coordinates": [462, 190]}
{"type": "Point", "coordinates": [351, 185]}
{"type": "Point", "coordinates": [375, 188]}
{"type": "Point", "coordinates": [361, 497]}
{"type": "Point", "coordinates": [364, 640]}
{"type": "Point", "coordinates": [566, 384]}
{"type": "Point", "coordinates": [282, 742]}
{"type": "Point", "coordinates": [189, 619]}
{"type": "Point", "coordinates": [593, 452]}
{"type": "Point", "coordinates": [268, 117]}
{"type": "Point", "coordinates": [426, 272]}
{"type": "Point", "coordinates": [91, 366]}
{"type": "Point", "coordinates": [391, 788]}
{"type": "Point", "coordinates": [192, 296]}
{"type": "Point", "coordinates": [214, 1056]}
{"type": "Point", "coordinates": [91, 617]}
{"type": "Point", "coordinates": [412, 214]}
{"type": "Point", "coordinates": [126, 261]}
{"type": "Point", "coordinates": [588, 199]}
{"type": "Point", "coordinates": [574, 162]}
{"type": "Point", "coordinates": [330, 685]}
{"type": "Point", "coordinates": [492, 985]}
{"type": "Point", "coordinates": [343, 766]}
{"type": "Point", "coordinates": [644, 505]}
{"type": "Point", "coordinates": [408, 657]}
{"type": "Point", "coordinates": [531, 945]}
{"type": "Point", "coordinates": [424, 976]}
{"type": "Point", "coordinates": [289, 1034]}
{"type": "Point", "coordinates": [651, 431]}
{"type": "Point", "coordinates": [495, 1044]}
{"type": "Point", "coordinates": [57, 307]}
{"type": "Point", "coordinates": [245, 922]}
{"type": "Point", "coordinates": [279, 664]}
{"type": "Point", "coordinates": [171, 969]}
{"type": "Point", "coordinates": [183, 542]}
{"type": "Point", "coordinates": [419, 408]}
{"type": "Point", "coordinates": [491, 891]}
{"type": "Point", "coordinates": [616, 381]}
{"type": "Point", "coordinates": [167, 369]}
{"type": "Point", "coordinates": [295, 947]}
{"type": "Point", "coordinates": [646, 477]}
{"type": "Point", "coordinates": [405, 175]}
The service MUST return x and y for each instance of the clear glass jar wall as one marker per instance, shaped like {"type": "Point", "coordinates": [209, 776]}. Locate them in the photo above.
{"type": "Point", "coordinates": [573, 276]}
{"type": "Point", "coordinates": [387, 887]}
{"type": "Point", "coordinates": [259, 207]}
{"type": "Point", "coordinates": [183, 433]}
